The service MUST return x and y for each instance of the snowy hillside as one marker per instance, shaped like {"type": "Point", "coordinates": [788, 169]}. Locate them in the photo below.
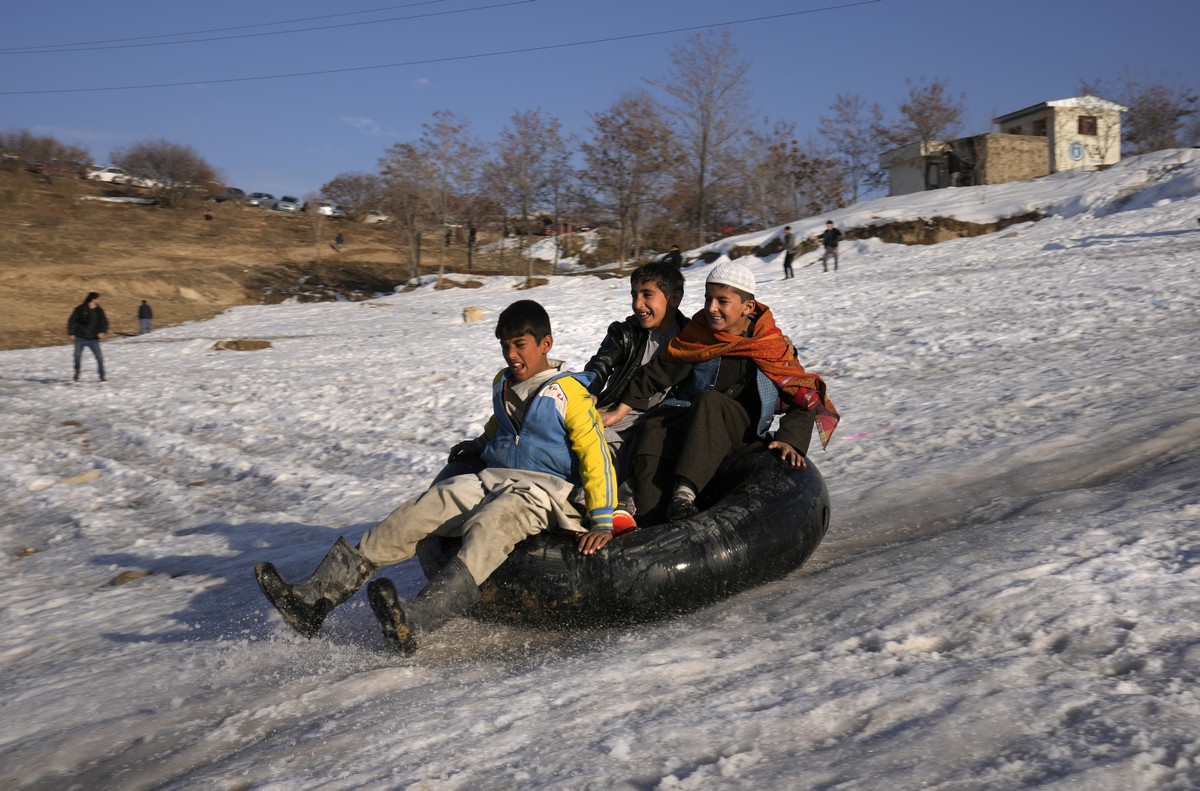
{"type": "Point", "coordinates": [1008, 596]}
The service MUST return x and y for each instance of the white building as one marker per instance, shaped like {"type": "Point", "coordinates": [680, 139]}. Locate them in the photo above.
{"type": "Point", "coordinates": [1084, 131]}
{"type": "Point", "coordinates": [1081, 132]}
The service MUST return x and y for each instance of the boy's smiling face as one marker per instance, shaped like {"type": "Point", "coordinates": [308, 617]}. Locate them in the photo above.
{"type": "Point", "coordinates": [526, 356]}
{"type": "Point", "coordinates": [651, 306]}
{"type": "Point", "coordinates": [726, 310]}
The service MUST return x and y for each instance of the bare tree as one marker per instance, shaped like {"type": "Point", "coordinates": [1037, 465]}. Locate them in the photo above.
{"type": "Point", "coordinates": [786, 180]}
{"type": "Point", "coordinates": [20, 145]}
{"type": "Point", "coordinates": [527, 160]}
{"type": "Point", "coordinates": [1158, 111]}
{"type": "Point", "coordinates": [929, 114]}
{"type": "Point", "coordinates": [405, 178]}
{"type": "Point", "coordinates": [628, 157]}
{"type": "Point", "coordinates": [172, 172]}
{"type": "Point", "coordinates": [707, 86]}
{"type": "Point", "coordinates": [451, 160]}
{"type": "Point", "coordinates": [355, 193]}
{"type": "Point", "coordinates": [316, 221]}
{"type": "Point", "coordinates": [851, 133]}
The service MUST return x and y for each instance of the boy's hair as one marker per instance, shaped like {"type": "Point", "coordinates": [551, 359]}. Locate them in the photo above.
{"type": "Point", "coordinates": [667, 277]}
{"type": "Point", "coordinates": [521, 317]}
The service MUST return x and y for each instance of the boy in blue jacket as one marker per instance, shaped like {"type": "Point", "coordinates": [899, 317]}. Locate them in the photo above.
{"type": "Point", "coordinates": [544, 438]}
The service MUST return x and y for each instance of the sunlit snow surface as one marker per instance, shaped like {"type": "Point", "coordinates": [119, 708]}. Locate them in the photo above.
{"type": "Point", "coordinates": [1008, 596]}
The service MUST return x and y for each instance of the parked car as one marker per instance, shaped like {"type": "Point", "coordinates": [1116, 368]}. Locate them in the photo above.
{"type": "Point", "coordinates": [58, 167]}
{"type": "Point", "coordinates": [145, 182]}
{"type": "Point", "coordinates": [110, 175]}
{"type": "Point", "coordinates": [330, 210]}
{"type": "Point", "coordinates": [229, 193]}
{"type": "Point", "coordinates": [371, 217]}
{"type": "Point", "coordinates": [551, 230]}
{"type": "Point", "coordinates": [263, 199]}
{"type": "Point", "coordinates": [289, 204]}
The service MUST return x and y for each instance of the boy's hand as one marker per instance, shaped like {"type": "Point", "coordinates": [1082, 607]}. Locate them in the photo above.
{"type": "Point", "coordinates": [593, 540]}
{"type": "Point", "coordinates": [614, 416]}
{"type": "Point", "coordinates": [465, 448]}
{"type": "Point", "coordinates": [789, 455]}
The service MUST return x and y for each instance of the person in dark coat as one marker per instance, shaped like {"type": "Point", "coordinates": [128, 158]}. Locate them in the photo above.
{"type": "Point", "coordinates": [144, 316]}
{"type": "Point", "coordinates": [789, 252]}
{"type": "Point", "coordinates": [829, 240]}
{"type": "Point", "coordinates": [87, 327]}
{"type": "Point", "coordinates": [674, 258]}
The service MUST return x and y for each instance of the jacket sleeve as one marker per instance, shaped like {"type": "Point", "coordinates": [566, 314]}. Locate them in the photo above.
{"type": "Point", "coordinates": [71, 321]}
{"type": "Point", "coordinates": [102, 326]}
{"type": "Point", "coordinates": [796, 427]}
{"type": "Point", "coordinates": [656, 376]}
{"type": "Point", "coordinates": [491, 426]}
{"type": "Point", "coordinates": [605, 361]}
{"type": "Point", "coordinates": [585, 433]}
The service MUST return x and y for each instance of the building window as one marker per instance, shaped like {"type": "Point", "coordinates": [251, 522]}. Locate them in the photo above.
{"type": "Point", "coordinates": [1087, 125]}
{"type": "Point", "coordinates": [1014, 130]}
{"type": "Point", "coordinates": [1039, 127]}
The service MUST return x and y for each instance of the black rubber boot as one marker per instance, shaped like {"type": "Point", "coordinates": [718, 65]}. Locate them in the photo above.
{"type": "Point", "coordinates": [451, 592]}
{"type": "Point", "coordinates": [304, 605]}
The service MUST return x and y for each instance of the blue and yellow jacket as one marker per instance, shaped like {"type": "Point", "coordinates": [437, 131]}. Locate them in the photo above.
{"type": "Point", "coordinates": [562, 435]}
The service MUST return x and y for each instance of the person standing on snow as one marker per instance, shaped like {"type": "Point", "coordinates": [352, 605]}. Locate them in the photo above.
{"type": "Point", "coordinates": [830, 238]}
{"type": "Point", "coordinates": [144, 316]}
{"type": "Point", "coordinates": [87, 327]}
{"type": "Point", "coordinates": [789, 252]}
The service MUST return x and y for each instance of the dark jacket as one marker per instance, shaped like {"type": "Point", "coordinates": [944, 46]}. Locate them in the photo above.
{"type": "Point", "coordinates": [144, 312]}
{"type": "Point", "coordinates": [830, 237]}
{"type": "Point", "coordinates": [674, 258]}
{"type": "Point", "coordinates": [87, 323]}
{"type": "Point", "coordinates": [737, 377]}
{"type": "Point", "coordinates": [618, 358]}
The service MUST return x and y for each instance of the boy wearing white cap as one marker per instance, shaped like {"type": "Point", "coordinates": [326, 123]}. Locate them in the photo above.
{"type": "Point", "coordinates": [730, 368]}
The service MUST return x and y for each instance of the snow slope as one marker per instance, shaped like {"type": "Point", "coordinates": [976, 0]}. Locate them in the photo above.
{"type": "Point", "coordinates": [1007, 597]}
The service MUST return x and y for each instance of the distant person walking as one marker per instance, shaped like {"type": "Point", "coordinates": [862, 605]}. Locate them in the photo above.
{"type": "Point", "coordinates": [674, 258]}
{"type": "Point", "coordinates": [87, 327]}
{"type": "Point", "coordinates": [144, 316]}
{"type": "Point", "coordinates": [830, 238]}
{"type": "Point", "coordinates": [338, 241]}
{"type": "Point", "coordinates": [789, 251]}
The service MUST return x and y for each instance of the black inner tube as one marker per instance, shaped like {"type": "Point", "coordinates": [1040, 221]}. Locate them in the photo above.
{"type": "Point", "coordinates": [760, 520]}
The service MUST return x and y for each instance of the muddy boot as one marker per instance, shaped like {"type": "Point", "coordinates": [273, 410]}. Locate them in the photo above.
{"type": "Point", "coordinates": [304, 605]}
{"type": "Point", "coordinates": [450, 593]}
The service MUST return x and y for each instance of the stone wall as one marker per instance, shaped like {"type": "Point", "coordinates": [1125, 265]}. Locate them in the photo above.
{"type": "Point", "coordinates": [1003, 158]}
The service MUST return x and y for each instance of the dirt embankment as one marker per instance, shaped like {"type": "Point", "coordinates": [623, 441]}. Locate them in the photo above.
{"type": "Point", "coordinates": [59, 243]}
{"type": "Point", "coordinates": [921, 231]}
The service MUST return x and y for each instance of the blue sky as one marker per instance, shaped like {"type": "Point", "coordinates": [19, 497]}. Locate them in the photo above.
{"type": "Point", "coordinates": [292, 134]}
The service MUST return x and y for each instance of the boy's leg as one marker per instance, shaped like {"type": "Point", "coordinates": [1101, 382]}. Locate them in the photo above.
{"type": "Point", "coordinates": [304, 605]}
{"type": "Point", "coordinates": [719, 426]}
{"type": "Point", "coordinates": [505, 519]}
{"type": "Point", "coordinates": [441, 509]}
{"type": "Point", "coordinates": [99, 357]}
{"type": "Point", "coordinates": [652, 472]}
{"type": "Point", "coordinates": [510, 514]}
{"type": "Point", "coordinates": [78, 356]}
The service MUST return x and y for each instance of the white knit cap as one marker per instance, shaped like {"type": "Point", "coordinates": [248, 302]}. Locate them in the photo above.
{"type": "Point", "coordinates": [733, 274]}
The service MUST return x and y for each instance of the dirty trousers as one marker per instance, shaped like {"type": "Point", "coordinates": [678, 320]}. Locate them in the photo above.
{"type": "Point", "coordinates": [491, 514]}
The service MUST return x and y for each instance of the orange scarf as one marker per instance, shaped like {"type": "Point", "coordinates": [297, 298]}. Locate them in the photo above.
{"type": "Point", "coordinates": [773, 355]}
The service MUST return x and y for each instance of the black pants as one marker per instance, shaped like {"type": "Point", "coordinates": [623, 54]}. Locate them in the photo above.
{"type": "Point", "coordinates": [691, 443]}
{"type": "Point", "coordinates": [787, 265]}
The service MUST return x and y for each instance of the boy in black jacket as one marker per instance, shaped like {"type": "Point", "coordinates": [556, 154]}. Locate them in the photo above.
{"type": "Point", "coordinates": [656, 290]}
{"type": "Point", "coordinates": [87, 327]}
